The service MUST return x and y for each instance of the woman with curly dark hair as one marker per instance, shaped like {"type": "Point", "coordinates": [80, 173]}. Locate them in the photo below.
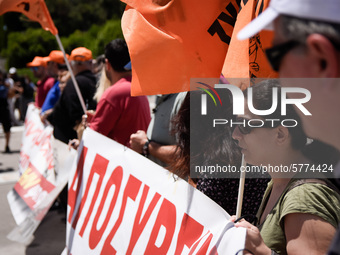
{"type": "Point", "coordinates": [200, 145]}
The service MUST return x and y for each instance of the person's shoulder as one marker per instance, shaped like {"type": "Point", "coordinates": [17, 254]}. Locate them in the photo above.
{"type": "Point", "coordinates": [313, 198]}
{"type": "Point", "coordinates": [124, 82]}
{"type": "Point", "coordinates": [311, 186]}
{"type": "Point", "coordinates": [86, 76]}
{"type": "Point", "coordinates": [309, 189]}
{"type": "Point", "coordinates": [120, 88]}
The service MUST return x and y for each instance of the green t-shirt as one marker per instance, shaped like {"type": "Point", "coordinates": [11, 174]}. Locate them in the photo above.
{"type": "Point", "coordinates": [312, 198]}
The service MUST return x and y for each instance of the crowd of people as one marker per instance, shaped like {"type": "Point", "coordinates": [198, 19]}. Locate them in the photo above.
{"type": "Point", "coordinates": [284, 213]}
{"type": "Point", "coordinates": [16, 92]}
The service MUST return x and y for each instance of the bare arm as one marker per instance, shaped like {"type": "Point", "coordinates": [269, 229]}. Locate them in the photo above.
{"type": "Point", "coordinates": [307, 233]}
{"type": "Point", "coordinates": [43, 116]}
{"type": "Point", "coordinates": [164, 153]}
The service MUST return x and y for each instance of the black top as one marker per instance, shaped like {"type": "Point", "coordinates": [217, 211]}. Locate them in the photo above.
{"type": "Point", "coordinates": [68, 110]}
{"type": "Point", "coordinates": [224, 191]}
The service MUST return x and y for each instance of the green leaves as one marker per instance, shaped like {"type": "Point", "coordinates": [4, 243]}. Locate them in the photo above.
{"type": "Point", "coordinates": [88, 23]}
{"type": "Point", "coordinates": [24, 46]}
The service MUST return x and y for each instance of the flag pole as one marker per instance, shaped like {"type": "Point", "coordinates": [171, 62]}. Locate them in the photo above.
{"type": "Point", "coordinates": [241, 189]}
{"type": "Point", "coordinates": [72, 74]}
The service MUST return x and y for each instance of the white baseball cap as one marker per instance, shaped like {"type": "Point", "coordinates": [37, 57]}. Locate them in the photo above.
{"type": "Point", "coordinates": [323, 10]}
{"type": "Point", "coordinates": [12, 70]}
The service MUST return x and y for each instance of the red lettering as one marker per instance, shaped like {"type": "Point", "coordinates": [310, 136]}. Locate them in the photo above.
{"type": "Point", "coordinates": [189, 233]}
{"type": "Point", "coordinates": [73, 192]}
{"type": "Point", "coordinates": [139, 225]}
{"type": "Point", "coordinates": [115, 179]}
{"type": "Point", "coordinates": [131, 190]}
{"type": "Point", "coordinates": [41, 139]}
{"type": "Point", "coordinates": [33, 130]}
{"type": "Point", "coordinates": [166, 217]}
{"type": "Point", "coordinates": [213, 251]}
{"type": "Point", "coordinates": [204, 248]}
{"type": "Point", "coordinates": [24, 160]}
{"type": "Point", "coordinates": [46, 149]}
{"type": "Point", "coordinates": [99, 167]}
{"type": "Point", "coordinates": [29, 127]}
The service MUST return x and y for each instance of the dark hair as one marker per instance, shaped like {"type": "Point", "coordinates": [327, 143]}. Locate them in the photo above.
{"type": "Point", "coordinates": [198, 144]}
{"type": "Point", "coordinates": [298, 29]}
{"type": "Point", "coordinates": [117, 54]}
{"type": "Point", "coordinates": [263, 100]}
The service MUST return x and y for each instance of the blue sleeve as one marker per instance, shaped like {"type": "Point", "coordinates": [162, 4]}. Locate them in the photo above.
{"type": "Point", "coordinates": [51, 98]}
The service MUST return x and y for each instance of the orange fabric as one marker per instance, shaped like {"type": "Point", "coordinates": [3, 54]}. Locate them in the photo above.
{"type": "Point", "coordinates": [57, 56]}
{"type": "Point", "coordinates": [38, 61]}
{"type": "Point", "coordinates": [34, 9]}
{"type": "Point", "coordinates": [81, 54]}
{"type": "Point", "coordinates": [247, 58]}
{"type": "Point", "coordinates": [171, 41]}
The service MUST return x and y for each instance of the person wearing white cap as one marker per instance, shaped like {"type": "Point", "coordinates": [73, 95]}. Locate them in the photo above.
{"type": "Point", "coordinates": [306, 44]}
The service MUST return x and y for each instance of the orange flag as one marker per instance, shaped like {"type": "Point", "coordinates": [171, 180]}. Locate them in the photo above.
{"type": "Point", "coordinates": [246, 58]}
{"type": "Point", "coordinates": [34, 9]}
{"type": "Point", "coordinates": [171, 41]}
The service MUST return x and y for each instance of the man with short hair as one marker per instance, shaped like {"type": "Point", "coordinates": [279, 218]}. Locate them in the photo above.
{"type": "Point", "coordinates": [306, 44]}
{"type": "Point", "coordinates": [68, 111]}
{"type": "Point", "coordinates": [45, 83]}
{"type": "Point", "coordinates": [118, 114]}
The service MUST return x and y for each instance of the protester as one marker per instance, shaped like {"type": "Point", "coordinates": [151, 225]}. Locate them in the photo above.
{"type": "Point", "coordinates": [55, 66]}
{"type": "Point", "coordinates": [11, 95]}
{"type": "Point", "coordinates": [199, 145]}
{"type": "Point", "coordinates": [5, 118]}
{"type": "Point", "coordinates": [314, 26]}
{"type": "Point", "coordinates": [27, 95]}
{"type": "Point", "coordinates": [67, 113]}
{"type": "Point", "coordinates": [45, 83]}
{"type": "Point", "coordinates": [22, 96]}
{"type": "Point", "coordinates": [18, 86]}
{"type": "Point", "coordinates": [63, 77]}
{"type": "Point", "coordinates": [298, 214]}
{"type": "Point", "coordinates": [158, 144]}
{"type": "Point", "coordinates": [118, 115]}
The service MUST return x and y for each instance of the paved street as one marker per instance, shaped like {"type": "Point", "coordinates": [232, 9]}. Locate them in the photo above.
{"type": "Point", "coordinates": [8, 176]}
{"type": "Point", "coordinates": [50, 236]}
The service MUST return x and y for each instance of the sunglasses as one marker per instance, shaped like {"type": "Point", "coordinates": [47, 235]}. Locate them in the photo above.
{"type": "Point", "coordinates": [247, 129]}
{"type": "Point", "coordinates": [276, 53]}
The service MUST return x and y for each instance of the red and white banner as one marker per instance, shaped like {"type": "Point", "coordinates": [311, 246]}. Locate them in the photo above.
{"type": "Point", "coordinates": [36, 144]}
{"type": "Point", "coordinates": [44, 167]}
{"type": "Point", "coordinates": [36, 166]}
{"type": "Point", "coordinates": [121, 202]}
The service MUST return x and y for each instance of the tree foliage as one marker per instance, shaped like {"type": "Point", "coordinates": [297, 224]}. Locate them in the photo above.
{"type": "Point", "coordinates": [24, 46]}
{"type": "Point", "coordinates": [88, 23]}
{"type": "Point", "coordinates": [70, 15]}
